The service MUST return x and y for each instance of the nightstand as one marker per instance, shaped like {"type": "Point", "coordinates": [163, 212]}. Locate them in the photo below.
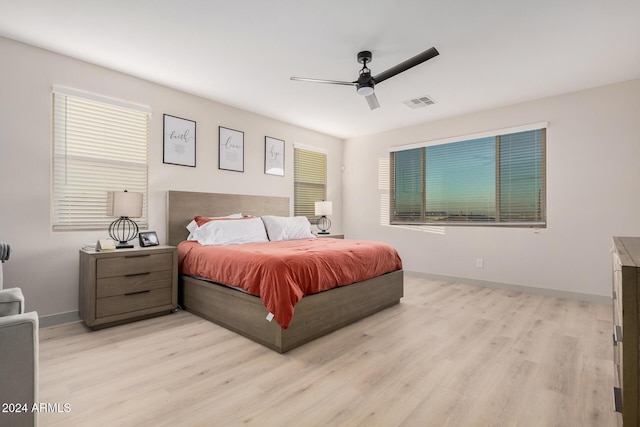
{"type": "Point", "coordinates": [331, 236]}
{"type": "Point", "coordinates": [127, 284]}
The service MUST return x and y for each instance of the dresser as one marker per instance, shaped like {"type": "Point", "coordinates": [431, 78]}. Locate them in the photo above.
{"type": "Point", "coordinates": [626, 331]}
{"type": "Point", "coordinates": [127, 284]}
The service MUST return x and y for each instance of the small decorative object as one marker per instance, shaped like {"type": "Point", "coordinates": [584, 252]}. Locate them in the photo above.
{"type": "Point", "coordinates": [323, 209]}
{"type": "Point", "coordinates": [148, 238]}
{"type": "Point", "coordinates": [124, 204]}
{"type": "Point", "coordinates": [230, 149]}
{"type": "Point", "coordinates": [179, 136]}
{"type": "Point", "coordinates": [105, 245]}
{"type": "Point", "coordinates": [273, 156]}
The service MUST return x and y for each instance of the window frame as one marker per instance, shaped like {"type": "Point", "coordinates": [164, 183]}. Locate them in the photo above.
{"type": "Point", "coordinates": [81, 178]}
{"type": "Point", "coordinates": [540, 222]}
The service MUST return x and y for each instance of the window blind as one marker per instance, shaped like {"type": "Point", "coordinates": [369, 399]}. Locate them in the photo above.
{"type": "Point", "coordinates": [494, 179]}
{"type": "Point", "coordinates": [98, 146]}
{"type": "Point", "coordinates": [309, 182]}
{"type": "Point", "coordinates": [522, 171]}
{"type": "Point", "coordinates": [460, 181]}
{"type": "Point", "coordinates": [407, 183]}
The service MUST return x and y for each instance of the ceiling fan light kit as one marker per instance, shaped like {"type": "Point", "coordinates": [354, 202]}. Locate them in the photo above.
{"type": "Point", "coordinates": [365, 85]}
{"type": "Point", "coordinates": [365, 90]}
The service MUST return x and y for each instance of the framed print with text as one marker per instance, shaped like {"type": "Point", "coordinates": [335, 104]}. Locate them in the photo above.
{"type": "Point", "coordinates": [179, 136]}
{"type": "Point", "coordinates": [230, 149]}
{"type": "Point", "coordinates": [273, 156]}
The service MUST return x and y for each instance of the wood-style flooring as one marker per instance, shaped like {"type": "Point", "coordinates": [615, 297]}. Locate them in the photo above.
{"type": "Point", "coordinates": [449, 354]}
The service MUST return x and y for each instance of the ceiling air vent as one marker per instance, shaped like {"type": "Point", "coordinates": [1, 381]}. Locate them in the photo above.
{"type": "Point", "coordinates": [419, 102]}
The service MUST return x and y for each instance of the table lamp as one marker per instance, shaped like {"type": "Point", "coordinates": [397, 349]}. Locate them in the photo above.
{"type": "Point", "coordinates": [323, 209]}
{"type": "Point", "coordinates": [124, 204]}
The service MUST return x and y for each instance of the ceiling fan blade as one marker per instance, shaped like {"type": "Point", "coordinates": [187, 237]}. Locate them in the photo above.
{"type": "Point", "coordinates": [333, 82]}
{"type": "Point", "coordinates": [409, 63]}
{"type": "Point", "coordinates": [372, 100]}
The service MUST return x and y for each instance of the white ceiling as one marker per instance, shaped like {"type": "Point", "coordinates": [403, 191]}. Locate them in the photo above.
{"type": "Point", "coordinates": [242, 53]}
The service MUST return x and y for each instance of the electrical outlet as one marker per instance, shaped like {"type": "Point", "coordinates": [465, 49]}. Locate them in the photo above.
{"type": "Point", "coordinates": [479, 263]}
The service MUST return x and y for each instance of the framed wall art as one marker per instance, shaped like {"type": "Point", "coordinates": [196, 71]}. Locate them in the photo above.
{"type": "Point", "coordinates": [179, 137]}
{"type": "Point", "coordinates": [230, 149]}
{"type": "Point", "coordinates": [273, 156]}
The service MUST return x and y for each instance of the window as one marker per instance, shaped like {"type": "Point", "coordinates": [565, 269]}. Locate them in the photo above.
{"type": "Point", "coordinates": [99, 145]}
{"type": "Point", "coordinates": [492, 179]}
{"type": "Point", "coordinates": [309, 181]}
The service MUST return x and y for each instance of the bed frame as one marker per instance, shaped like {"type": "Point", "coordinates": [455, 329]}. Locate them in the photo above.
{"type": "Point", "coordinates": [315, 315]}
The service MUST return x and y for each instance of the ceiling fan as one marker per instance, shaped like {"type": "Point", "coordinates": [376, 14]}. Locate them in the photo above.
{"type": "Point", "coordinates": [366, 83]}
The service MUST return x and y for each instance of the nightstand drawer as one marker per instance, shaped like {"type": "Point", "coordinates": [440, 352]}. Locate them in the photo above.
{"type": "Point", "coordinates": [132, 302]}
{"type": "Point", "coordinates": [114, 286]}
{"type": "Point", "coordinates": [133, 264]}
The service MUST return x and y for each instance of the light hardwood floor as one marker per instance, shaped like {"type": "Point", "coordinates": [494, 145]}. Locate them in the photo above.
{"type": "Point", "coordinates": [449, 355]}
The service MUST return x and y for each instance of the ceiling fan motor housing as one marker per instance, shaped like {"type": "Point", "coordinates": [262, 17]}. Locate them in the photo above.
{"type": "Point", "coordinates": [365, 84]}
{"type": "Point", "coordinates": [364, 56]}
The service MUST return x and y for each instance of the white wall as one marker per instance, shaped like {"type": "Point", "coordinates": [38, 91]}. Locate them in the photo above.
{"type": "Point", "coordinates": [593, 171]}
{"type": "Point", "coordinates": [45, 263]}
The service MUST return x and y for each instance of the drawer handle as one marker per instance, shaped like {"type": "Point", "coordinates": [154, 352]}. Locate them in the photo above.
{"type": "Point", "coordinates": [137, 274]}
{"type": "Point", "coordinates": [617, 399]}
{"type": "Point", "coordinates": [137, 256]}
{"type": "Point", "coordinates": [617, 335]}
{"type": "Point", "coordinates": [136, 293]}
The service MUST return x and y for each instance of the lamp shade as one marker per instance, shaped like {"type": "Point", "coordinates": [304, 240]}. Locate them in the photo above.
{"type": "Point", "coordinates": [324, 208]}
{"type": "Point", "coordinates": [124, 203]}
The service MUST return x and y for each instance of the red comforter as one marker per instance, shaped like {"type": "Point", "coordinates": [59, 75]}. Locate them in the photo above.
{"type": "Point", "coordinates": [281, 273]}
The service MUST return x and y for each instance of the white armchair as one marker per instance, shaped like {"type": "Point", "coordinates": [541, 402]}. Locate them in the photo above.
{"type": "Point", "coordinates": [18, 360]}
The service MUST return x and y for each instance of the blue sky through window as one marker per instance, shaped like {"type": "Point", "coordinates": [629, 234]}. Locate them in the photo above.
{"type": "Point", "coordinates": [461, 179]}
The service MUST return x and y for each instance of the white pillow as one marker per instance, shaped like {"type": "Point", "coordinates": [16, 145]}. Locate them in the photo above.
{"type": "Point", "coordinates": [287, 227]}
{"type": "Point", "coordinates": [231, 232]}
{"type": "Point", "coordinates": [193, 225]}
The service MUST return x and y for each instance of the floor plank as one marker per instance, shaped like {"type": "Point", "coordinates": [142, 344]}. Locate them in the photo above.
{"type": "Point", "coordinates": [450, 354]}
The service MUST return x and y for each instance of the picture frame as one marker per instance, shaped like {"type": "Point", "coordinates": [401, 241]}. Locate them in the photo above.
{"type": "Point", "coordinates": [148, 238]}
{"type": "Point", "coordinates": [273, 156]}
{"type": "Point", "coordinates": [230, 149]}
{"type": "Point", "coordinates": [179, 140]}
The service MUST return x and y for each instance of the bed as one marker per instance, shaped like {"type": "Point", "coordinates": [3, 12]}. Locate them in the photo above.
{"type": "Point", "coordinates": [315, 315]}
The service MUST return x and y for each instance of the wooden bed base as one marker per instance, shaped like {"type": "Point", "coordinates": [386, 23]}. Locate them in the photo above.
{"type": "Point", "coordinates": [315, 315]}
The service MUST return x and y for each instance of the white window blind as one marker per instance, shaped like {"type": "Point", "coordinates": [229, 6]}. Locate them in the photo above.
{"type": "Point", "coordinates": [491, 179]}
{"type": "Point", "coordinates": [310, 181]}
{"type": "Point", "coordinates": [100, 145]}
{"type": "Point", "coordinates": [521, 183]}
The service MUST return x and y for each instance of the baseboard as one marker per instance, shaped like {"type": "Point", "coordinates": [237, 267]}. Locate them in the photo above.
{"type": "Point", "coordinates": [59, 318]}
{"type": "Point", "coordinates": [599, 299]}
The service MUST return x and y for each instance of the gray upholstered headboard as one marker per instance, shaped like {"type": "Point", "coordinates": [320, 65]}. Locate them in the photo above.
{"type": "Point", "coordinates": [182, 206]}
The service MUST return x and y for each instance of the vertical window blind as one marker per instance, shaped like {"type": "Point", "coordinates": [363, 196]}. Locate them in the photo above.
{"type": "Point", "coordinates": [99, 145]}
{"type": "Point", "coordinates": [491, 179]}
{"type": "Point", "coordinates": [309, 182]}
